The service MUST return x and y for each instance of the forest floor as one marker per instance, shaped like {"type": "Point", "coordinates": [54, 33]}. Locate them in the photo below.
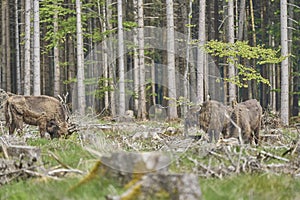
{"type": "Point", "coordinates": [226, 169]}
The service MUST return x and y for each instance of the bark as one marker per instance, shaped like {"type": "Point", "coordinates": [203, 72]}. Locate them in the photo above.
{"type": "Point", "coordinates": [242, 17]}
{"type": "Point", "coordinates": [17, 38]}
{"type": "Point", "coordinates": [171, 61]}
{"type": "Point", "coordinates": [253, 89]}
{"type": "Point", "coordinates": [111, 73]}
{"type": "Point", "coordinates": [231, 69]}
{"type": "Point", "coordinates": [142, 94]}
{"type": "Point", "coordinates": [56, 56]}
{"type": "Point", "coordinates": [8, 51]}
{"type": "Point", "coordinates": [284, 114]}
{"type": "Point", "coordinates": [136, 60]}
{"type": "Point", "coordinates": [80, 61]}
{"type": "Point", "coordinates": [36, 49]}
{"type": "Point", "coordinates": [201, 57]}
{"type": "Point", "coordinates": [105, 56]}
{"type": "Point", "coordinates": [27, 80]}
{"type": "Point", "coordinates": [122, 107]}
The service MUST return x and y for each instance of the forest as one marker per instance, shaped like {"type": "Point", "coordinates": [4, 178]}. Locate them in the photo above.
{"type": "Point", "coordinates": [137, 77]}
{"type": "Point", "coordinates": [112, 56]}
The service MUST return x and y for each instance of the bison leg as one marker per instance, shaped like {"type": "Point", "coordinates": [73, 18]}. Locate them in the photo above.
{"type": "Point", "coordinates": [256, 136]}
{"type": "Point", "coordinates": [213, 135]}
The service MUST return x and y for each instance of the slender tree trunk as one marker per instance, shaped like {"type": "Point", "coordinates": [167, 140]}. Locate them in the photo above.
{"type": "Point", "coordinates": [3, 44]}
{"type": "Point", "coordinates": [171, 61]}
{"type": "Point", "coordinates": [231, 69]}
{"type": "Point", "coordinates": [56, 57]}
{"type": "Point", "coordinates": [80, 61]}
{"type": "Point", "coordinates": [105, 56]}
{"type": "Point", "coordinates": [242, 17]}
{"type": "Point", "coordinates": [187, 68]}
{"type": "Point", "coordinates": [273, 78]}
{"type": "Point", "coordinates": [200, 55]}
{"type": "Point", "coordinates": [142, 94]}
{"type": "Point", "coordinates": [121, 60]}
{"type": "Point", "coordinates": [8, 49]}
{"type": "Point", "coordinates": [284, 64]}
{"type": "Point", "coordinates": [36, 49]}
{"type": "Point", "coordinates": [136, 60]}
{"type": "Point", "coordinates": [27, 73]}
{"type": "Point", "coordinates": [17, 38]}
{"type": "Point", "coordinates": [253, 88]}
{"type": "Point", "coordinates": [111, 73]}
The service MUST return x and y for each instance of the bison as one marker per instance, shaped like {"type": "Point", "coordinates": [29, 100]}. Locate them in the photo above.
{"type": "Point", "coordinates": [211, 117]}
{"type": "Point", "coordinates": [46, 112]}
{"type": "Point", "coordinates": [246, 118]}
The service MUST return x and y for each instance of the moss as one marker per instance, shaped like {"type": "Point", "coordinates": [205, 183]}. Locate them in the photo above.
{"type": "Point", "coordinates": [93, 173]}
{"type": "Point", "coordinates": [132, 193]}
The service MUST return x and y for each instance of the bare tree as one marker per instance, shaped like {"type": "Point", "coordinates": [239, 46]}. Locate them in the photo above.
{"type": "Point", "coordinates": [284, 64]}
{"type": "Point", "coordinates": [171, 61]}
{"type": "Point", "coordinates": [105, 53]}
{"type": "Point", "coordinates": [6, 50]}
{"type": "Point", "coordinates": [141, 64]}
{"type": "Point", "coordinates": [111, 71]}
{"type": "Point", "coordinates": [80, 61]}
{"type": "Point", "coordinates": [27, 48]}
{"type": "Point", "coordinates": [56, 56]}
{"type": "Point", "coordinates": [231, 70]}
{"type": "Point", "coordinates": [200, 55]}
{"type": "Point", "coordinates": [242, 17]}
{"type": "Point", "coordinates": [36, 49]}
{"type": "Point", "coordinates": [136, 59]}
{"type": "Point", "coordinates": [18, 66]}
{"type": "Point", "coordinates": [121, 60]}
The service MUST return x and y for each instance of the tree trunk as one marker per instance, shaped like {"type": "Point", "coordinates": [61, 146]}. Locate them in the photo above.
{"type": "Point", "coordinates": [200, 55]}
{"type": "Point", "coordinates": [136, 61]}
{"type": "Point", "coordinates": [121, 60]}
{"type": "Point", "coordinates": [186, 84]}
{"type": "Point", "coordinates": [56, 57]}
{"type": "Point", "coordinates": [111, 72]}
{"type": "Point", "coordinates": [242, 17]}
{"type": "Point", "coordinates": [27, 80]}
{"type": "Point", "coordinates": [105, 56]}
{"type": "Point", "coordinates": [231, 69]}
{"type": "Point", "coordinates": [18, 66]}
{"type": "Point", "coordinates": [80, 61]}
{"type": "Point", "coordinates": [284, 64]}
{"type": "Point", "coordinates": [171, 61]}
{"type": "Point", "coordinates": [36, 49]}
{"type": "Point", "coordinates": [142, 94]}
{"type": "Point", "coordinates": [7, 49]}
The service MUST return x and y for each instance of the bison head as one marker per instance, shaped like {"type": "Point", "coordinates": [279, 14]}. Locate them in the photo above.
{"type": "Point", "coordinates": [56, 129]}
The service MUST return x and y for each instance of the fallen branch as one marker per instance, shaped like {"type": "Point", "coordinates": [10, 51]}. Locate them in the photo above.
{"type": "Point", "coordinates": [273, 156]}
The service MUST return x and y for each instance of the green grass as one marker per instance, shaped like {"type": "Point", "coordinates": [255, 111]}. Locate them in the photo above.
{"type": "Point", "coordinates": [71, 153]}
{"type": "Point", "coordinates": [52, 189]}
{"type": "Point", "coordinates": [259, 186]}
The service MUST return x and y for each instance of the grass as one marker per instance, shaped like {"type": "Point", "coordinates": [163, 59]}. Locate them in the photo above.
{"type": "Point", "coordinates": [258, 186]}
{"type": "Point", "coordinates": [71, 153]}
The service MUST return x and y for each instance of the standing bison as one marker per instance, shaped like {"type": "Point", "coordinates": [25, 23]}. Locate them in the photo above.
{"type": "Point", "coordinates": [46, 112]}
{"type": "Point", "coordinates": [246, 118]}
{"type": "Point", "coordinates": [211, 117]}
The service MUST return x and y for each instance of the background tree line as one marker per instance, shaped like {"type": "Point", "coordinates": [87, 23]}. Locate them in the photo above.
{"type": "Point", "coordinates": [44, 44]}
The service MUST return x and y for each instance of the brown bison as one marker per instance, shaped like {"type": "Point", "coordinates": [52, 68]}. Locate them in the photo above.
{"type": "Point", "coordinates": [246, 117]}
{"type": "Point", "coordinates": [211, 117]}
{"type": "Point", "coordinates": [43, 111]}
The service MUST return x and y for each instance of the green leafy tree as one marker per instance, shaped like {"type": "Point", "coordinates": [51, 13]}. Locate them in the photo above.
{"type": "Point", "coordinates": [241, 49]}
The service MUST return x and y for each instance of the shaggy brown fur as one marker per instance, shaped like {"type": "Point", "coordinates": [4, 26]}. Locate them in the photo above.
{"type": "Point", "coordinates": [246, 115]}
{"type": "Point", "coordinates": [43, 111]}
{"type": "Point", "coordinates": [213, 120]}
